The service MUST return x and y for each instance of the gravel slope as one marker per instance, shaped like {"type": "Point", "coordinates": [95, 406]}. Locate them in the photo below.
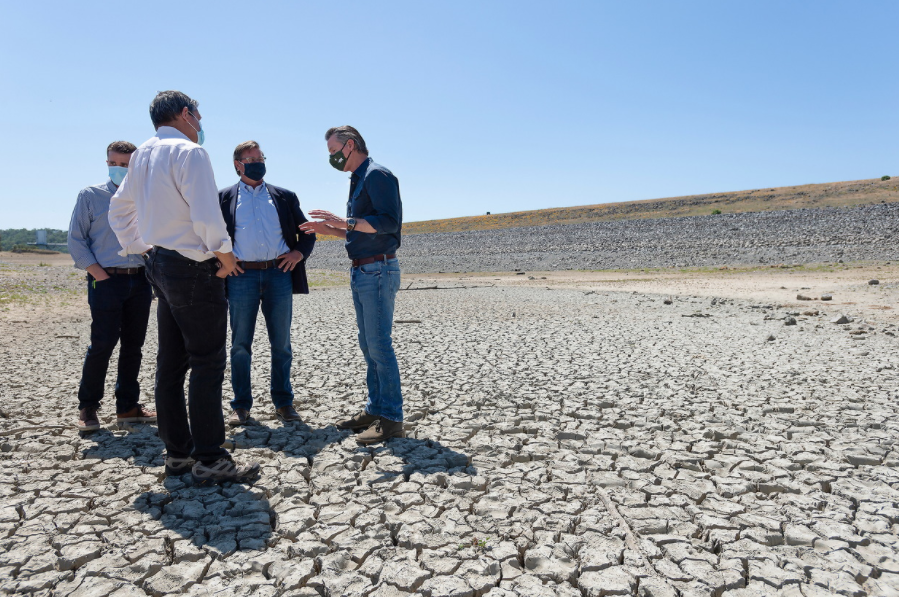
{"type": "Point", "coordinates": [794, 236]}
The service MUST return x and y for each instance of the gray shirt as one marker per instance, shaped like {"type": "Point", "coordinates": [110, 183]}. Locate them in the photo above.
{"type": "Point", "coordinates": [91, 240]}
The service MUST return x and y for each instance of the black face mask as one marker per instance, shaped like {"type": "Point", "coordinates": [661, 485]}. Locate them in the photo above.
{"type": "Point", "coordinates": [254, 171]}
{"type": "Point", "coordinates": [337, 159]}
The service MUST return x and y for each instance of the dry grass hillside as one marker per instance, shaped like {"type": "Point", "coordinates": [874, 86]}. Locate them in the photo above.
{"type": "Point", "coordinates": [833, 194]}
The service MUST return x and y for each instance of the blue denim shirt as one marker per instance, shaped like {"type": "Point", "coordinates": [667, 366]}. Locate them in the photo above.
{"type": "Point", "coordinates": [257, 229]}
{"type": "Point", "coordinates": [375, 198]}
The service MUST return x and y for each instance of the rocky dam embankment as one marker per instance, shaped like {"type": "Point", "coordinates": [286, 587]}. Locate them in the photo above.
{"type": "Point", "coordinates": [869, 232]}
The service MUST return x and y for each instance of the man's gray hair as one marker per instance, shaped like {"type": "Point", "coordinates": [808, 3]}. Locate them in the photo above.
{"type": "Point", "coordinates": [344, 134]}
{"type": "Point", "coordinates": [167, 105]}
{"type": "Point", "coordinates": [245, 146]}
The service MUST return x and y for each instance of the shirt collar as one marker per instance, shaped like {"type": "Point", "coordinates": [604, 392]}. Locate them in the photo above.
{"type": "Point", "coordinates": [247, 188]}
{"type": "Point", "coordinates": [170, 132]}
{"type": "Point", "coordinates": [360, 171]}
{"type": "Point", "coordinates": [110, 186]}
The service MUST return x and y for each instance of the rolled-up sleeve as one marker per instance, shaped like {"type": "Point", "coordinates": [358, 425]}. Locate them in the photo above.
{"type": "Point", "coordinates": [384, 193]}
{"type": "Point", "coordinates": [79, 231]}
{"type": "Point", "coordinates": [197, 185]}
{"type": "Point", "coordinates": [123, 221]}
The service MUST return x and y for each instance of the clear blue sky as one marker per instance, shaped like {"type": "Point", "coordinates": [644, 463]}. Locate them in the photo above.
{"type": "Point", "coordinates": [475, 105]}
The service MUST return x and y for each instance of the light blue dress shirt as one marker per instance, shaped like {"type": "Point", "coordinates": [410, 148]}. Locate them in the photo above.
{"type": "Point", "coordinates": [91, 240]}
{"type": "Point", "coordinates": [257, 229]}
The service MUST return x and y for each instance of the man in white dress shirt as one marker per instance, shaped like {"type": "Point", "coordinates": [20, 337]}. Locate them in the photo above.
{"type": "Point", "coordinates": [167, 209]}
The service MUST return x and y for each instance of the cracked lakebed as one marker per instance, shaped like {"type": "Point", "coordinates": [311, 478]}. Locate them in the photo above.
{"type": "Point", "coordinates": [561, 441]}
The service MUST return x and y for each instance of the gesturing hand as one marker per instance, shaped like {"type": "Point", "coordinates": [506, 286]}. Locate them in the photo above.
{"type": "Point", "coordinates": [331, 219]}
{"type": "Point", "coordinates": [319, 228]}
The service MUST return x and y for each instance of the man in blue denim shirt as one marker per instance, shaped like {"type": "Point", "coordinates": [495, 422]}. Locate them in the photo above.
{"type": "Point", "coordinates": [372, 231]}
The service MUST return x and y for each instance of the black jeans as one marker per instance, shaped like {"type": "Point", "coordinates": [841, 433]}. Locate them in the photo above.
{"type": "Point", "coordinates": [192, 318]}
{"type": "Point", "coordinates": [120, 308]}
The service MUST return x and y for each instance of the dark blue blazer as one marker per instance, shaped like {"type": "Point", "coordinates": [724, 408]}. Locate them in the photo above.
{"type": "Point", "coordinates": [290, 215]}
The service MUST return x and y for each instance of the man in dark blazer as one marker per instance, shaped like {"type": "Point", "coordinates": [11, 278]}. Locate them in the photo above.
{"type": "Point", "coordinates": [262, 220]}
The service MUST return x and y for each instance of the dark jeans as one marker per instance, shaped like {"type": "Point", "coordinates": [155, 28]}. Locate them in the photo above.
{"type": "Point", "coordinates": [374, 294]}
{"type": "Point", "coordinates": [120, 308]}
{"type": "Point", "coordinates": [273, 289]}
{"type": "Point", "coordinates": [192, 318]}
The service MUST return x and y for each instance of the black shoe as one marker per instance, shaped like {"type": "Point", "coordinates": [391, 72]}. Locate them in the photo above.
{"type": "Point", "coordinates": [361, 421]}
{"type": "Point", "coordinates": [175, 467]}
{"type": "Point", "coordinates": [222, 470]}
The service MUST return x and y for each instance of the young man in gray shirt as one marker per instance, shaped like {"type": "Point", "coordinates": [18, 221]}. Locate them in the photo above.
{"type": "Point", "coordinates": [119, 297]}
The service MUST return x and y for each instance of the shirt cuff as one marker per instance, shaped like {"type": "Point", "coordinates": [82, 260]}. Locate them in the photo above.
{"type": "Point", "coordinates": [381, 224]}
{"type": "Point", "coordinates": [85, 262]}
{"type": "Point", "coordinates": [226, 247]}
{"type": "Point", "coordinates": [135, 248]}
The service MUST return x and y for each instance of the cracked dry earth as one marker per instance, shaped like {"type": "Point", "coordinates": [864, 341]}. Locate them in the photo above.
{"type": "Point", "coordinates": [562, 442]}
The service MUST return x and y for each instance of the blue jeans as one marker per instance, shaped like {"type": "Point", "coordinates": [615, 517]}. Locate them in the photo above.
{"type": "Point", "coordinates": [374, 294]}
{"type": "Point", "coordinates": [274, 290]}
{"type": "Point", "coordinates": [120, 309]}
{"type": "Point", "coordinates": [192, 315]}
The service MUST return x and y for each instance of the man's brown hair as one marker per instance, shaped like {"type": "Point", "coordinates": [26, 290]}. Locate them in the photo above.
{"type": "Point", "coordinates": [344, 134]}
{"type": "Point", "coordinates": [238, 151]}
{"type": "Point", "coordinates": [121, 147]}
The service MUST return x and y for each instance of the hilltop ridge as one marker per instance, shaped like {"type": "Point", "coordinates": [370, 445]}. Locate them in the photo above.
{"type": "Point", "coordinates": [831, 194]}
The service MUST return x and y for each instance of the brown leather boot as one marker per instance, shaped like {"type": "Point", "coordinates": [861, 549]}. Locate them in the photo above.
{"type": "Point", "coordinates": [381, 430]}
{"type": "Point", "coordinates": [361, 421]}
{"type": "Point", "coordinates": [288, 414]}
{"type": "Point", "coordinates": [138, 414]}
{"type": "Point", "coordinates": [239, 417]}
{"type": "Point", "coordinates": [88, 419]}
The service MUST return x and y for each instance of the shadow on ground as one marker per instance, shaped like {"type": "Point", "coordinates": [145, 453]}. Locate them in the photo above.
{"type": "Point", "coordinates": [138, 443]}
{"type": "Point", "coordinates": [420, 456]}
{"type": "Point", "coordinates": [296, 439]}
{"type": "Point", "coordinates": [234, 517]}
{"type": "Point", "coordinates": [225, 518]}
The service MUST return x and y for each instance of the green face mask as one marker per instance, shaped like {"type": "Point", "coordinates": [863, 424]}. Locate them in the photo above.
{"type": "Point", "coordinates": [337, 159]}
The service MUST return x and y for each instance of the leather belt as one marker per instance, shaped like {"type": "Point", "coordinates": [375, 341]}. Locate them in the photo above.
{"type": "Point", "coordinates": [212, 264]}
{"type": "Point", "coordinates": [270, 264]}
{"type": "Point", "coordinates": [130, 271]}
{"type": "Point", "coordinates": [367, 260]}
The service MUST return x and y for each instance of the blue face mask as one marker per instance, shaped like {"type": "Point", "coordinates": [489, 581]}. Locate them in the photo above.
{"type": "Point", "coordinates": [117, 174]}
{"type": "Point", "coordinates": [201, 134]}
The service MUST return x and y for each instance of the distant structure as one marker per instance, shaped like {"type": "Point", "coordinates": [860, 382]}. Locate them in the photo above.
{"type": "Point", "coordinates": [40, 240]}
{"type": "Point", "coordinates": [488, 213]}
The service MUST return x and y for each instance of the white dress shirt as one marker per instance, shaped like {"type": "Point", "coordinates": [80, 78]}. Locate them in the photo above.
{"type": "Point", "coordinates": [169, 199]}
